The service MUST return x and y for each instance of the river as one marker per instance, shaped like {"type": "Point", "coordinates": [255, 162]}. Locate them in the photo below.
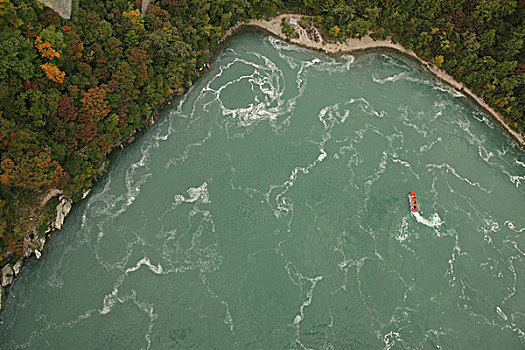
{"type": "Point", "coordinates": [268, 209]}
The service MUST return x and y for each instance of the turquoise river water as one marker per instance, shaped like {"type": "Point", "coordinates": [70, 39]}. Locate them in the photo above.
{"type": "Point", "coordinates": [268, 209]}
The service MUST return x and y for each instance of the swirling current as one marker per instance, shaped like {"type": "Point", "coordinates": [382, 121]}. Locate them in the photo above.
{"type": "Point", "coordinates": [268, 209]}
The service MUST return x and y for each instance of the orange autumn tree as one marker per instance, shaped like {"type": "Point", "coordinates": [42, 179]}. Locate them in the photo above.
{"type": "Point", "coordinates": [90, 125]}
{"type": "Point", "coordinates": [32, 170]}
{"type": "Point", "coordinates": [53, 73]}
{"type": "Point", "coordinates": [45, 49]}
{"type": "Point", "coordinates": [94, 103]}
{"type": "Point", "coordinates": [133, 15]}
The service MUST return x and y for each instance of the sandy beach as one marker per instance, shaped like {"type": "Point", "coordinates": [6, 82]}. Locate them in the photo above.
{"type": "Point", "coordinates": [273, 26]}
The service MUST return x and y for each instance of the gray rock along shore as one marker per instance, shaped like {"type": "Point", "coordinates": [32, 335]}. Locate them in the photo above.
{"type": "Point", "coordinates": [35, 245]}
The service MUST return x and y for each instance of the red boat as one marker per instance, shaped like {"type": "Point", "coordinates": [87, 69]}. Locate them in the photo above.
{"type": "Point", "coordinates": [414, 205]}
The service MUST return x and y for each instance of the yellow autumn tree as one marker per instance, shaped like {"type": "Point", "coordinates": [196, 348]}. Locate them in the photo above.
{"type": "Point", "coordinates": [438, 60]}
{"type": "Point", "coordinates": [53, 73]}
{"type": "Point", "coordinates": [45, 49]}
{"type": "Point", "coordinates": [133, 15]}
{"type": "Point", "coordinates": [334, 31]}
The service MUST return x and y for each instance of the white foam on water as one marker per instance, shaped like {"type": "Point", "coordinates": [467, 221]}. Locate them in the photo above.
{"type": "Point", "coordinates": [381, 168]}
{"type": "Point", "coordinates": [147, 308]}
{"type": "Point", "coordinates": [145, 261]}
{"type": "Point", "coordinates": [434, 221]}
{"type": "Point", "coordinates": [195, 194]}
{"type": "Point", "coordinates": [302, 76]}
{"type": "Point", "coordinates": [511, 225]}
{"type": "Point", "coordinates": [349, 58]}
{"type": "Point", "coordinates": [482, 117]}
{"type": "Point", "coordinates": [109, 301]}
{"type": "Point", "coordinates": [111, 298]}
{"type": "Point", "coordinates": [184, 155]}
{"type": "Point", "coordinates": [228, 319]}
{"type": "Point", "coordinates": [510, 324]}
{"type": "Point", "coordinates": [501, 313]}
{"type": "Point", "coordinates": [396, 61]}
{"type": "Point", "coordinates": [339, 113]}
{"type": "Point", "coordinates": [407, 117]}
{"type": "Point", "coordinates": [484, 154]}
{"type": "Point", "coordinates": [504, 150]}
{"type": "Point", "coordinates": [283, 45]}
{"type": "Point", "coordinates": [495, 159]}
{"type": "Point", "coordinates": [309, 296]}
{"type": "Point", "coordinates": [473, 138]}
{"type": "Point", "coordinates": [435, 334]}
{"type": "Point", "coordinates": [327, 64]}
{"type": "Point", "coordinates": [405, 76]}
{"type": "Point", "coordinates": [515, 179]}
{"type": "Point", "coordinates": [334, 66]}
{"type": "Point", "coordinates": [402, 162]}
{"type": "Point", "coordinates": [437, 109]}
{"type": "Point", "coordinates": [267, 103]}
{"type": "Point", "coordinates": [391, 339]}
{"type": "Point", "coordinates": [402, 234]}
{"type": "Point", "coordinates": [448, 168]}
{"type": "Point", "coordinates": [437, 85]}
{"type": "Point", "coordinates": [392, 78]}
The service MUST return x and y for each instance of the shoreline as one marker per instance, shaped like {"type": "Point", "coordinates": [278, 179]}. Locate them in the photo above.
{"type": "Point", "coordinates": [366, 44]}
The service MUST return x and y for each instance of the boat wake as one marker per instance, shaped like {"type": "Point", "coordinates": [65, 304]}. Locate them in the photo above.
{"type": "Point", "coordinates": [434, 221]}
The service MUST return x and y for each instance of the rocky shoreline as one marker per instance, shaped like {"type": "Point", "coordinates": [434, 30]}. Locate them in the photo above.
{"type": "Point", "coordinates": [34, 244]}
{"type": "Point", "coordinates": [312, 39]}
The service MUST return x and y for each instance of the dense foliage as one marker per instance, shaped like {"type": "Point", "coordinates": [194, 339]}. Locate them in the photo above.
{"type": "Point", "coordinates": [71, 90]}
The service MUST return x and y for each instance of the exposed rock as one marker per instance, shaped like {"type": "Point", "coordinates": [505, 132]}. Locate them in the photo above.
{"type": "Point", "coordinates": [7, 275]}
{"type": "Point", "coordinates": [41, 242]}
{"type": "Point", "coordinates": [38, 254]}
{"type": "Point", "coordinates": [17, 266]}
{"type": "Point", "coordinates": [85, 193]}
{"type": "Point", "coordinates": [2, 297]}
{"type": "Point", "coordinates": [67, 204]}
{"type": "Point", "coordinates": [63, 209]}
{"type": "Point", "coordinates": [32, 241]}
{"type": "Point", "coordinates": [60, 217]}
{"type": "Point", "coordinates": [28, 250]}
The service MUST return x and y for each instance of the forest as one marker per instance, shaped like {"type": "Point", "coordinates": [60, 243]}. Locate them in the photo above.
{"type": "Point", "coordinates": [73, 90]}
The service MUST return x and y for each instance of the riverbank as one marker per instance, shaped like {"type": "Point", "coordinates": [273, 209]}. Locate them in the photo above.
{"type": "Point", "coordinates": [367, 43]}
